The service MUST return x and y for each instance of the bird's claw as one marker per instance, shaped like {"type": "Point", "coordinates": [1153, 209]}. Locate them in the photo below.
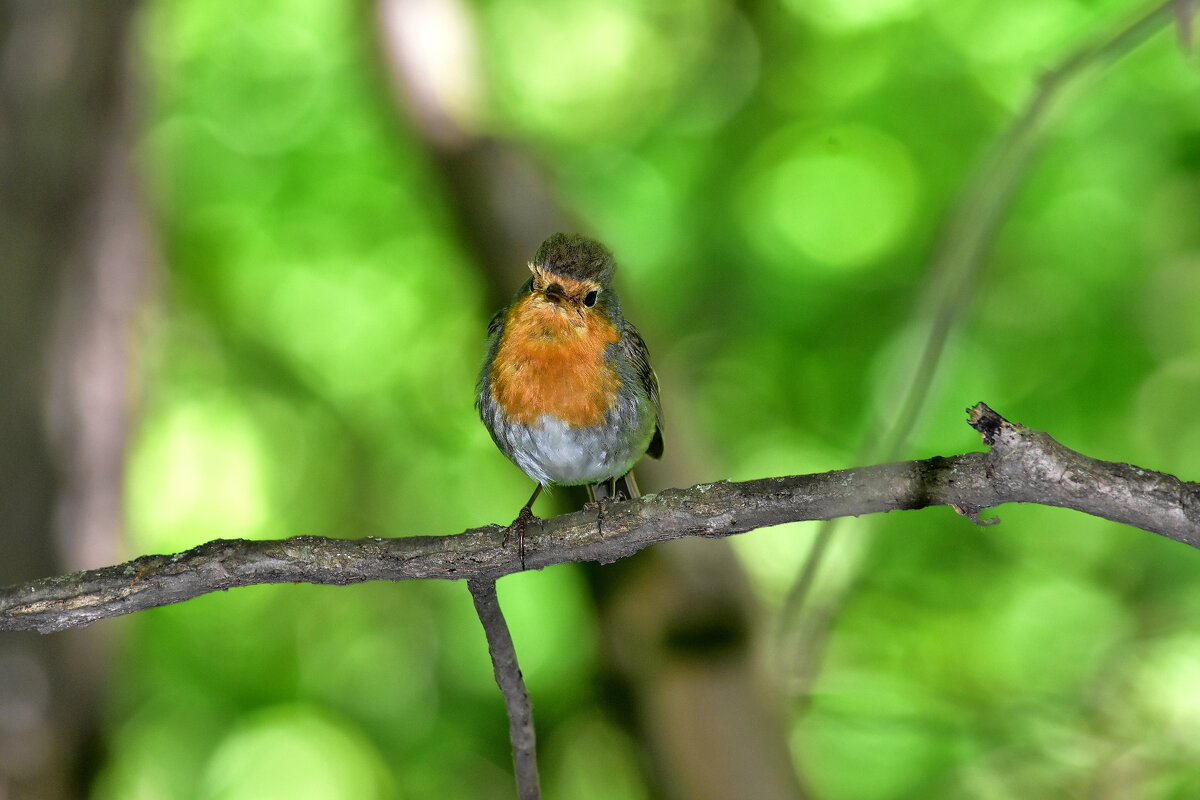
{"type": "Point", "coordinates": [518, 526]}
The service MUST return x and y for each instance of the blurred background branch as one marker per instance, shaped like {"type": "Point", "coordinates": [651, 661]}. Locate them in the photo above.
{"type": "Point", "coordinates": [957, 273]}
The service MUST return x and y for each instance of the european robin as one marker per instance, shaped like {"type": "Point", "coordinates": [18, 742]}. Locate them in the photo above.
{"type": "Point", "coordinates": [566, 388]}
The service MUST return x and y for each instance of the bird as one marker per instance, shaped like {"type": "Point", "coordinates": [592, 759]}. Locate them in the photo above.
{"type": "Point", "coordinates": [566, 389]}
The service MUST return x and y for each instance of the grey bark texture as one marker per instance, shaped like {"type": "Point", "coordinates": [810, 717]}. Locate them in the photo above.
{"type": "Point", "coordinates": [512, 686]}
{"type": "Point", "coordinates": [1022, 466]}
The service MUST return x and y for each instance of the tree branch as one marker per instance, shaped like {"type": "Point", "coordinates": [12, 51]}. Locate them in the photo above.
{"type": "Point", "coordinates": [1022, 466]}
{"type": "Point", "coordinates": [512, 686]}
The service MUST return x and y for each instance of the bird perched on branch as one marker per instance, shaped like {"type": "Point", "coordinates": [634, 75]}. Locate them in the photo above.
{"type": "Point", "coordinates": [566, 388]}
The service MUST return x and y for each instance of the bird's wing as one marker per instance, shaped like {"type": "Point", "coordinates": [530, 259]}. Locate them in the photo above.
{"type": "Point", "coordinates": [635, 350]}
{"type": "Point", "coordinates": [497, 322]}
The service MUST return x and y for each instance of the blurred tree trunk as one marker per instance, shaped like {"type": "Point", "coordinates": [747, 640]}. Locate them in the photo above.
{"type": "Point", "coordinates": [680, 635]}
{"type": "Point", "coordinates": [72, 264]}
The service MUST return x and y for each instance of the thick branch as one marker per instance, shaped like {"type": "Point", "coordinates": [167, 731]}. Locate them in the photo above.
{"type": "Point", "coordinates": [1023, 466]}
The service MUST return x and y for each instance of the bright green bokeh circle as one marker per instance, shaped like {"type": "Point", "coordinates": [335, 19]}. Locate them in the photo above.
{"type": "Point", "coordinates": [839, 198]}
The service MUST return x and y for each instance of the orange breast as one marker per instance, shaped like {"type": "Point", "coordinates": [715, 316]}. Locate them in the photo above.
{"type": "Point", "coordinates": [547, 364]}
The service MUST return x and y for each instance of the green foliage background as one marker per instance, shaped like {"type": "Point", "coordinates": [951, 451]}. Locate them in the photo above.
{"type": "Point", "coordinates": [772, 178]}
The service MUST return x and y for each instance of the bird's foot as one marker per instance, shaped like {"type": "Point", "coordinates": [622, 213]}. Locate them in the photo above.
{"type": "Point", "coordinates": [518, 527]}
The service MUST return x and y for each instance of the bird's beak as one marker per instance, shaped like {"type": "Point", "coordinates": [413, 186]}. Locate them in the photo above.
{"type": "Point", "coordinates": [564, 303]}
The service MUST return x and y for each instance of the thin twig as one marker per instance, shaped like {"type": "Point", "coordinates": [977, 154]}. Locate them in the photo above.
{"type": "Point", "coordinates": [512, 686]}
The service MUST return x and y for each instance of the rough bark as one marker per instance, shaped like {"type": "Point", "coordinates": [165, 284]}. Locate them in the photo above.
{"type": "Point", "coordinates": [1022, 466]}
{"type": "Point", "coordinates": [512, 686]}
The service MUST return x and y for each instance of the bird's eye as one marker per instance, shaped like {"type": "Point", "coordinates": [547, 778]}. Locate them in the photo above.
{"type": "Point", "coordinates": [589, 299]}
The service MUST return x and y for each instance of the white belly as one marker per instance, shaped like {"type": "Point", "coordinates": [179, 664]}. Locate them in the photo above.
{"type": "Point", "coordinates": [551, 451]}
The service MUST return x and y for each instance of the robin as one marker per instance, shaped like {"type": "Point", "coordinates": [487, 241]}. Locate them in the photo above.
{"type": "Point", "coordinates": [566, 388]}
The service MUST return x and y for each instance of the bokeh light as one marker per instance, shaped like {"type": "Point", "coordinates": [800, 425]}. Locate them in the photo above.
{"type": "Point", "coordinates": [294, 752]}
{"type": "Point", "coordinates": [836, 198]}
